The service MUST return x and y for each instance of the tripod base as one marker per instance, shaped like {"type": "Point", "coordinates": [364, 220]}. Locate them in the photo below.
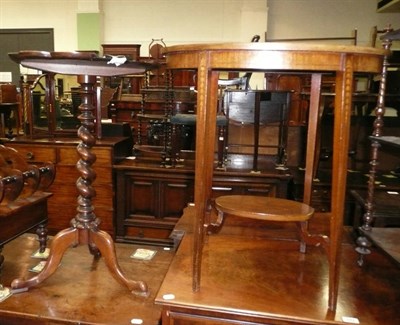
{"type": "Point", "coordinates": [99, 242]}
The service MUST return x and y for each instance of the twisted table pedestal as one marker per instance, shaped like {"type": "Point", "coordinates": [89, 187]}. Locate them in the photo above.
{"type": "Point", "coordinates": [85, 225]}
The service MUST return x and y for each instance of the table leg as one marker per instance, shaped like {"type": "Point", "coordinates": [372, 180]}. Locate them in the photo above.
{"type": "Point", "coordinates": [341, 134]}
{"type": "Point", "coordinates": [207, 95]}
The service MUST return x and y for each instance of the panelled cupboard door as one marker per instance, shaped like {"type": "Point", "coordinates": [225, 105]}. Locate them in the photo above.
{"type": "Point", "coordinates": [142, 195]}
{"type": "Point", "coordinates": [149, 205]}
{"type": "Point", "coordinates": [175, 196]}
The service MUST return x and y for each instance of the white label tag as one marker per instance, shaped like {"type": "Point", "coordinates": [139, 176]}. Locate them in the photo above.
{"type": "Point", "coordinates": [351, 320]}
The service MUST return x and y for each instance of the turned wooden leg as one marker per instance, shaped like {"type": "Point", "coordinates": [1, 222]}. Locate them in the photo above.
{"type": "Point", "coordinates": [63, 240]}
{"type": "Point", "coordinates": [42, 232]}
{"type": "Point", "coordinates": [105, 244]}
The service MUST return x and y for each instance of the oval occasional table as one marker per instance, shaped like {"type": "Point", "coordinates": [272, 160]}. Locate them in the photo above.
{"type": "Point", "coordinates": [341, 62]}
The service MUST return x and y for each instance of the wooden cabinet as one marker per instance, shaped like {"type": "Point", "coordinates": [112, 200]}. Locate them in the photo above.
{"type": "Point", "coordinates": [150, 199]}
{"type": "Point", "coordinates": [62, 205]}
{"type": "Point", "coordinates": [149, 203]}
{"type": "Point", "coordinates": [131, 51]}
{"type": "Point", "coordinates": [149, 111]}
{"type": "Point", "coordinates": [129, 85]}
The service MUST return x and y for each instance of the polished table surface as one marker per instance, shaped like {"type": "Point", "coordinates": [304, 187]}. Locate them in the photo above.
{"type": "Point", "coordinates": [249, 277]}
{"type": "Point", "coordinates": [343, 62]}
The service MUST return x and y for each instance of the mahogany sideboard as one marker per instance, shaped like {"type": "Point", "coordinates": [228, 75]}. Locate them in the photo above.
{"type": "Point", "coordinates": [151, 199]}
{"type": "Point", "coordinates": [342, 62]}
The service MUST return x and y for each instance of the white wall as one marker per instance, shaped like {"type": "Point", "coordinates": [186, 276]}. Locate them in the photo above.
{"type": "Point", "coordinates": [187, 21]}
{"type": "Point", "coordinates": [139, 21]}
{"type": "Point", "coordinates": [326, 18]}
{"type": "Point", "coordinates": [57, 14]}
{"type": "Point", "coordinates": [182, 21]}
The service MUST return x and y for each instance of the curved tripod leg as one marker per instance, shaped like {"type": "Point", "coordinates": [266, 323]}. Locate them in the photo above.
{"type": "Point", "coordinates": [105, 244]}
{"type": "Point", "coordinates": [61, 242]}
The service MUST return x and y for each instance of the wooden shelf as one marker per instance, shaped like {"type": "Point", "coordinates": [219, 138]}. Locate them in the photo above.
{"type": "Point", "coordinates": [388, 140]}
{"type": "Point", "coordinates": [387, 239]}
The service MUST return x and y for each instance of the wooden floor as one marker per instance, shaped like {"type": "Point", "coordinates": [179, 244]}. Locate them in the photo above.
{"type": "Point", "coordinates": [264, 276]}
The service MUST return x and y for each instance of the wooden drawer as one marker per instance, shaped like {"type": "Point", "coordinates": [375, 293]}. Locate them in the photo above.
{"type": "Point", "coordinates": [103, 175]}
{"type": "Point", "coordinates": [34, 153]}
{"type": "Point", "coordinates": [69, 156]}
{"type": "Point", "coordinates": [69, 193]}
{"type": "Point", "coordinates": [231, 188]}
{"type": "Point", "coordinates": [146, 235]}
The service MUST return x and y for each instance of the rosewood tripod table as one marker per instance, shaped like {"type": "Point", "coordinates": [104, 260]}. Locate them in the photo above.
{"type": "Point", "coordinates": [85, 225]}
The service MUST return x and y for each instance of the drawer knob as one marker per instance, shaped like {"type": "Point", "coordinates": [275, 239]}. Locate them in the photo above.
{"type": "Point", "coordinates": [30, 155]}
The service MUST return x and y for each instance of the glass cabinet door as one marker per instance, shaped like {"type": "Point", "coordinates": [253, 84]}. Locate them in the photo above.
{"type": "Point", "coordinates": [51, 105]}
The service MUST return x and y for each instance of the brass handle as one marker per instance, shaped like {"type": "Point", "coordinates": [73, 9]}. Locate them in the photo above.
{"type": "Point", "coordinates": [177, 185]}
{"type": "Point", "coordinates": [216, 188]}
{"type": "Point", "coordinates": [30, 155]}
